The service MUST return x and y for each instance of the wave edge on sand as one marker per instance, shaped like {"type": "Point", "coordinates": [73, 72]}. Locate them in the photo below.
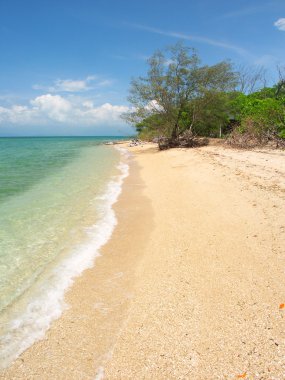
{"type": "Point", "coordinates": [48, 305]}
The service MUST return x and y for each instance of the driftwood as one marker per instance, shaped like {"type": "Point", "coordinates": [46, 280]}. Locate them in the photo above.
{"type": "Point", "coordinates": [253, 134]}
{"type": "Point", "coordinates": [248, 140]}
{"type": "Point", "coordinates": [245, 140]}
{"type": "Point", "coordinates": [186, 140]}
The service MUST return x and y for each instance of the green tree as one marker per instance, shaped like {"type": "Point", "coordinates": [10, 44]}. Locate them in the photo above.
{"type": "Point", "coordinates": [177, 89]}
{"type": "Point", "coordinates": [261, 116]}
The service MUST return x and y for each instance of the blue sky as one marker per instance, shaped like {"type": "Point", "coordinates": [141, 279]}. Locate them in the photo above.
{"type": "Point", "coordinates": [65, 65]}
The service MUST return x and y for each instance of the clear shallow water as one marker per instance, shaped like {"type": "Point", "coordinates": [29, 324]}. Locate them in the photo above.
{"type": "Point", "coordinates": [56, 197]}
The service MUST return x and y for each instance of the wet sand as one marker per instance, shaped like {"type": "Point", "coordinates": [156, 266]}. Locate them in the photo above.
{"type": "Point", "coordinates": [190, 284]}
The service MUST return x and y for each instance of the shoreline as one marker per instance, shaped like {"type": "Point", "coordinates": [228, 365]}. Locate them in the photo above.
{"type": "Point", "coordinates": [31, 317]}
{"type": "Point", "coordinates": [107, 291]}
{"type": "Point", "coordinates": [190, 283]}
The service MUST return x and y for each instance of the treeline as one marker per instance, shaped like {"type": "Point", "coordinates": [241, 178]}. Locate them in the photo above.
{"type": "Point", "coordinates": [180, 101]}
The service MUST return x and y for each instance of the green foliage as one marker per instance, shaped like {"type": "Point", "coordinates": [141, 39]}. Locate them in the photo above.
{"type": "Point", "coordinates": [262, 107]}
{"type": "Point", "coordinates": [180, 97]}
{"type": "Point", "coordinates": [178, 94]}
{"type": "Point", "coordinates": [148, 127]}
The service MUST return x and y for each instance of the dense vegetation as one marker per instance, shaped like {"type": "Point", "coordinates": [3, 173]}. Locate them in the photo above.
{"type": "Point", "coordinates": [179, 101]}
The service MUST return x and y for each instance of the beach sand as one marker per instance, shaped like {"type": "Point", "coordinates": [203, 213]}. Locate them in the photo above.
{"type": "Point", "coordinates": [190, 284]}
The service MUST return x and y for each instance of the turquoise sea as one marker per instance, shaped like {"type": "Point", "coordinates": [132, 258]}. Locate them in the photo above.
{"type": "Point", "coordinates": [56, 197]}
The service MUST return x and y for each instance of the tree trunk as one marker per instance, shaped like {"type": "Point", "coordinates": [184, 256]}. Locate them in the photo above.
{"type": "Point", "coordinates": [174, 136]}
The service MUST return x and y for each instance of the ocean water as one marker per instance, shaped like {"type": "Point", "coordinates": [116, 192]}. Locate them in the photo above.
{"type": "Point", "coordinates": [56, 197]}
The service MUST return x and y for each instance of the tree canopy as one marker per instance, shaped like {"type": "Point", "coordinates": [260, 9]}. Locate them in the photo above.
{"type": "Point", "coordinates": [179, 98]}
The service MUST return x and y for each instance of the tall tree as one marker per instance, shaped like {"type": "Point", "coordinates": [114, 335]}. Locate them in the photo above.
{"type": "Point", "coordinates": [167, 88]}
{"type": "Point", "coordinates": [174, 89]}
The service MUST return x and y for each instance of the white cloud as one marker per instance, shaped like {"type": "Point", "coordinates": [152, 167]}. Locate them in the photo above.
{"type": "Point", "coordinates": [74, 85]}
{"type": "Point", "coordinates": [205, 40]}
{"type": "Point", "coordinates": [104, 83]}
{"type": "Point", "coordinates": [280, 24]}
{"type": "Point", "coordinates": [106, 113]}
{"type": "Point", "coordinates": [88, 104]}
{"type": "Point", "coordinates": [16, 114]}
{"type": "Point", "coordinates": [69, 85]}
{"type": "Point", "coordinates": [52, 109]}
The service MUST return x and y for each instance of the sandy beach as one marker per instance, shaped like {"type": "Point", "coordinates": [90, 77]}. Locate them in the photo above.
{"type": "Point", "coordinates": [191, 282]}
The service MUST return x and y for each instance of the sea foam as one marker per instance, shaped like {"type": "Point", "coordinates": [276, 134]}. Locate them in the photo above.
{"type": "Point", "coordinates": [48, 303]}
